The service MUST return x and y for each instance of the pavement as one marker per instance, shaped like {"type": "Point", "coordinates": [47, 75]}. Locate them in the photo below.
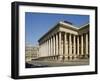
{"type": "Point", "coordinates": [55, 63]}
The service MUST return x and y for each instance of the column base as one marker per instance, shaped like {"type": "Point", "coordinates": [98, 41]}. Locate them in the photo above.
{"type": "Point", "coordinates": [66, 58]}
{"type": "Point", "coordinates": [86, 55]}
{"type": "Point", "coordinates": [60, 58]}
{"type": "Point", "coordinates": [81, 56]}
{"type": "Point", "coordinates": [75, 57]}
{"type": "Point", "coordinates": [70, 57]}
{"type": "Point", "coordinates": [55, 57]}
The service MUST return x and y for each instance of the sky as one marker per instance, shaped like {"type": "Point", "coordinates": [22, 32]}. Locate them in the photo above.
{"type": "Point", "coordinates": [37, 24]}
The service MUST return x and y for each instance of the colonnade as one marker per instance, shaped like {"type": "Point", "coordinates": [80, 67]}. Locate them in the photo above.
{"type": "Point", "coordinates": [65, 46]}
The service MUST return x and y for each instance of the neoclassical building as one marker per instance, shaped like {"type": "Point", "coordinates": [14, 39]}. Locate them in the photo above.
{"type": "Point", "coordinates": [65, 42]}
{"type": "Point", "coordinates": [31, 52]}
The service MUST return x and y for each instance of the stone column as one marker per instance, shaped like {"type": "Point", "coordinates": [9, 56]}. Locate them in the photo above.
{"type": "Point", "coordinates": [70, 46]}
{"type": "Point", "coordinates": [44, 48]}
{"type": "Point", "coordinates": [78, 45]}
{"type": "Point", "coordinates": [51, 48]}
{"type": "Point", "coordinates": [56, 44]}
{"type": "Point", "coordinates": [60, 55]}
{"type": "Point", "coordinates": [65, 46]}
{"type": "Point", "coordinates": [41, 50]}
{"type": "Point", "coordinates": [74, 46]}
{"type": "Point", "coordinates": [87, 49]}
{"type": "Point", "coordinates": [62, 41]}
{"type": "Point", "coordinates": [81, 44]}
{"type": "Point", "coordinates": [47, 48]}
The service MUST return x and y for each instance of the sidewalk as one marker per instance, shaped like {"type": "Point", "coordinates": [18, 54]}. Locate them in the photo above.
{"type": "Point", "coordinates": [61, 63]}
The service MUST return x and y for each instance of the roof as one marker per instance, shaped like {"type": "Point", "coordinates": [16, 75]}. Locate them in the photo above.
{"type": "Point", "coordinates": [69, 25]}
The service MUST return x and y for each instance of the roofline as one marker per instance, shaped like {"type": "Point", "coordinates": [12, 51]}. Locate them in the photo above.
{"type": "Point", "coordinates": [69, 25]}
{"type": "Point", "coordinates": [62, 23]}
{"type": "Point", "coordinates": [49, 30]}
{"type": "Point", "coordinates": [83, 26]}
{"type": "Point", "coordinates": [72, 26]}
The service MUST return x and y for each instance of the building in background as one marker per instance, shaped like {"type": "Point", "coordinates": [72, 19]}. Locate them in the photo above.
{"type": "Point", "coordinates": [31, 53]}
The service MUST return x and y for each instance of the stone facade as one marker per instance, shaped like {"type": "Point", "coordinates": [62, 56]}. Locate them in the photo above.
{"type": "Point", "coordinates": [31, 53]}
{"type": "Point", "coordinates": [65, 42]}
